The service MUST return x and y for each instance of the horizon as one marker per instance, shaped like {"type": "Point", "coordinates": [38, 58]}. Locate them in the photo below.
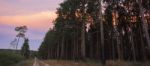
{"type": "Point", "coordinates": [37, 15]}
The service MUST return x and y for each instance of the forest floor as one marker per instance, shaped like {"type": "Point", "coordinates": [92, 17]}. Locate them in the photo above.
{"type": "Point", "coordinates": [87, 63]}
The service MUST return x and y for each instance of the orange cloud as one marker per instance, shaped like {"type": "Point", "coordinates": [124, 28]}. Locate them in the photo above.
{"type": "Point", "coordinates": [42, 20]}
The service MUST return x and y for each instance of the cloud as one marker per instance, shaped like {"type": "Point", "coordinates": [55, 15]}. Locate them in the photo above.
{"type": "Point", "coordinates": [37, 15]}
{"type": "Point", "coordinates": [13, 7]}
{"type": "Point", "coordinates": [37, 24]}
{"type": "Point", "coordinates": [6, 30]}
{"type": "Point", "coordinates": [39, 21]}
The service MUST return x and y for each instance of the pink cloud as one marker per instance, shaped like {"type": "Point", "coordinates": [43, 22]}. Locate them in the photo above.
{"type": "Point", "coordinates": [39, 21]}
{"type": "Point", "coordinates": [37, 15]}
{"type": "Point", "coordinates": [13, 7]}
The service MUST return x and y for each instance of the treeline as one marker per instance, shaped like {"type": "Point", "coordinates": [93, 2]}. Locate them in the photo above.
{"type": "Point", "coordinates": [100, 30]}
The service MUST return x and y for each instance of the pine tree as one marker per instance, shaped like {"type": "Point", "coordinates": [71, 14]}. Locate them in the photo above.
{"type": "Point", "coordinates": [49, 42]}
{"type": "Point", "coordinates": [21, 33]}
{"type": "Point", "coordinates": [115, 34]}
{"type": "Point", "coordinates": [25, 51]}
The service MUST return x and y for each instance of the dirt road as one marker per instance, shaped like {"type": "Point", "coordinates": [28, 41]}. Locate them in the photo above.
{"type": "Point", "coordinates": [39, 63]}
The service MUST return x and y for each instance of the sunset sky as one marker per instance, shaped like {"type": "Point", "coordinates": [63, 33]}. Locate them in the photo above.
{"type": "Point", "coordinates": [37, 15]}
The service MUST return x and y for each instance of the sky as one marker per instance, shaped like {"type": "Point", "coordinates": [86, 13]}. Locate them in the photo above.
{"type": "Point", "coordinates": [37, 15]}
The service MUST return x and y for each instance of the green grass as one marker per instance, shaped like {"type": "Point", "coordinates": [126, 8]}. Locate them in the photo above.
{"type": "Point", "coordinates": [9, 59]}
{"type": "Point", "coordinates": [25, 63]}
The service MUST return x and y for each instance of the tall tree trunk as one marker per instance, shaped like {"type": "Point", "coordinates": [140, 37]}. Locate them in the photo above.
{"type": "Point", "coordinates": [58, 52]}
{"type": "Point", "coordinates": [132, 46]}
{"type": "Point", "coordinates": [17, 43]}
{"type": "Point", "coordinates": [83, 10]}
{"type": "Point", "coordinates": [62, 47]}
{"type": "Point", "coordinates": [97, 46]}
{"type": "Point", "coordinates": [77, 42]}
{"type": "Point", "coordinates": [83, 41]}
{"type": "Point", "coordinates": [118, 47]}
{"type": "Point", "coordinates": [142, 45]}
{"type": "Point", "coordinates": [144, 24]}
{"type": "Point", "coordinates": [74, 45]}
{"type": "Point", "coordinates": [101, 30]}
{"type": "Point", "coordinates": [48, 53]}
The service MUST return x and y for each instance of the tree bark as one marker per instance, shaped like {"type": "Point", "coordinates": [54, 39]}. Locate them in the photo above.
{"type": "Point", "coordinates": [62, 48]}
{"type": "Point", "coordinates": [83, 41]}
{"type": "Point", "coordinates": [144, 24]}
{"type": "Point", "coordinates": [101, 30]}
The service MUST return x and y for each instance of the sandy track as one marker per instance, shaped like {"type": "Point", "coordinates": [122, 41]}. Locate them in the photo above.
{"type": "Point", "coordinates": [39, 63]}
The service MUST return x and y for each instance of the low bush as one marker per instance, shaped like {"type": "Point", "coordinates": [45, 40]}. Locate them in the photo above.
{"type": "Point", "coordinates": [9, 59]}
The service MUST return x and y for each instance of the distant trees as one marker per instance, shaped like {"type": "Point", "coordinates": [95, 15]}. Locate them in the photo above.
{"type": "Point", "coordinates": [21, 34]}
{"type": "Point", "coordinates": [25, 50]}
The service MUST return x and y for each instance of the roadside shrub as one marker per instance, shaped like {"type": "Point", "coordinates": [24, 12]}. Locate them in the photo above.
{"type": "Point", "coordinates": [9, 59]}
